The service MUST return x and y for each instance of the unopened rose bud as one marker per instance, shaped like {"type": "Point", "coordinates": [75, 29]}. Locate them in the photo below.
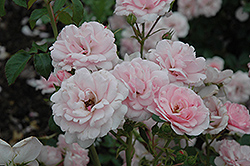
{"type": "Point", "coordinates": [181, 156]}
{"type": "Point", "coordinates": [131, 19]}
{"type": "Point", "coordinates": [168, 35]}
{"type": "Point", "coordinates": [191, 160]}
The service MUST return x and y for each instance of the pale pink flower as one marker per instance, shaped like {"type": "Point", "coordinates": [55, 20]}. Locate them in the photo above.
{"type": "Point", "coordinates": [23, 151]}
{"type": "Point", "coordinates": [47, 86]}
{"type": "Point", "coordinates": [188, 8]}
{"type": "Point", "coordinates": [177, 22]}
{"type": "Point", "coordinates": [89, 105]}
{"type": "Point", "coordinates": [117, 22]}
{"type": "Point", "coordinates": [143, 79]}
{"type": "Point", "coordinates": [215, 62]}
{"type": "Point", "coordinates": [218, 115]}
{"type": "Point", "coordinates": [209, 8]}
{"type": "Point", "coordinates": [241, 15]}
{"type": "Point", "coordinates": [231, 153]}
{"type": "Point", "coordinates": [239, 118]}
{"type": "Point", "coordinates": [183, 108]}
{"type": "Point", "coordinates": [238, 90]}
{"type": "Point", "coordinates": [216, 76]}
{"type": "Point", "coordinates": [50, 156]}
{"type": "Point", "coordinates": [74, 154]}
{"type": "Point", "coordinates": [144, 10]}
{"type": "Point", "coordinates": [91, 46]}
{"type": "Point", "coordinates": [180, 60]}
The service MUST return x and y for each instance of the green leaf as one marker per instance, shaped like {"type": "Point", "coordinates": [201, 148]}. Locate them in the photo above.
{"type": "Point", "coordinates": [120, 149]}
{"type": "Point", "coordinates": [246, 7]}
{"type": "Point", "coordinates": [155, 129]}
{"type": "Point", "coordinates": [22, 3]}
{"type": "Point", "coordinates": [65, 18]}
{"type": "Point", "coordinates": [77, 11]}
{"type": "Point", "coordinates": [157, 118]}
{"type": "Point", "coordinates": [37, 13]}
{"type": "Point", "coordinates": [58, 5]}
{"type": "Point", "coordinates": [143, 134]}
{"type": "Point", "coordinates": [43, 47]}
{"type": "Point", "coordinates": [244, 140]}
{"type": "Point", "coordinates": [2, 9]}
{"type": "Point", "coordinates": [53, 126]}
{"type": "Point", "coordinates": [15, 65]}
{"type": "Point", "coordinates": [30, 3]}
{"type": "Point", "coordinates": [42, 64]}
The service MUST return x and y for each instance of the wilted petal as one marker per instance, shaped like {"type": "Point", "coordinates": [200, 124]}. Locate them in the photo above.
{"type": "Point", "coordinates": [27, 150]}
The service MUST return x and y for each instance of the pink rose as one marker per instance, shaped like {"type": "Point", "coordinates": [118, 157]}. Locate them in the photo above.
{"type": "Point", "coordinates": [143, 79]}
{"type": "Point", "coordinates": [180, 60]}
{"type": "Point", "coordinates": [177, 22]}
{"type": "Point", "coordinates": [238, 90]}
{"type": "Point", "coordinates": [218, 115]}
{"type": "Point", "coordinates": [209, 8]}
{"type": "Point", "coordinates": [89, 105]}
{"type": "Point", "coordinates": [117, 22]}
{"type": "Point", "coordinates": [216, 76]}
{"type": "Point", "coordinates": [239, 118]}
{"type": "Point", "coordinates": [183, 108]}
{"type": "Point", "coordinates": [91, 46]}
{"type": "Point", "coordinates": [231, 153]}
{"type": "Point", "coordinates": [50, 156]}
{"type": "Point", "coordinates": [74, 154]}
{"type": "Point", "coordinates": [143, 10]}
{"type": "Point", "coordinates": [47, 86]}
{"type": "Point", "coordinates": [216, 62]}
{"type": "Point", "coordinates": [189, 8]}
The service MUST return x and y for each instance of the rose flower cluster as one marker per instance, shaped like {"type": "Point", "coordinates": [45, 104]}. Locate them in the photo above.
{"type": "Point", "coordinates": [99, 91]}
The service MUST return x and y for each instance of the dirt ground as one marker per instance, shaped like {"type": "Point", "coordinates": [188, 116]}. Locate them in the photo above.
{"type": "Point", "coordinates": [24, 111]}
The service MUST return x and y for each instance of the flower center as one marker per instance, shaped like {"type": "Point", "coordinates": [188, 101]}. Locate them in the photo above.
{"type": "Point", "coordinates": [89, 104]}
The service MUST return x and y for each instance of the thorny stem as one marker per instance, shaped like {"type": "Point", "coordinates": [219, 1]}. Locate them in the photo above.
{"type": "Point", "coordinates": [52, 18]}
{"type": "Point", "coordinates": [118, 138]}
{"type": "Point", "coordinates": [207, 150]}
{"type": "Point", "coordinates": [94, 156]}
{"type": "Point", "coordinates": [153, 26]}
{"type": "Point", "coordinates": [160, 153]}
{"type": "Point", "coordinates": [129, 149]}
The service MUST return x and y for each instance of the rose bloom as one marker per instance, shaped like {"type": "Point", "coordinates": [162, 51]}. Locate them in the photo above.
{"type": "Point", "coordinates": [216, 62]}
{"type": "Point", "coordinates": [209, 8]}
{"type": "Point", "coordinates": [91, 46]}
{"type": "Point", "coordinates": [177, 22]}
{"type": "Point", "coordinates": [117, 22]}
{"type": "Point", "coordinates": [180, 60]}
{"type": "Point", "coordinates": [183, 108]}
{"type": "Point", "coordinates": [241, 15]}
{"type": "Point", "coordinates": [89, 105]}
{"type": "Point", "coordinates": [216, 76]}
{"type": "Point", "coordinates": [238, 90]}
{"type": "Point", "coordinates": [74, 154]}
{"type": "Point", "coordinates": [143, 10]}
{"type": "Point", "coordinates": [188, 8]}
{"type": "Point", "coordinates": [47, 86]}
{"type": "Point", "coordinates": [231, 153]}
{"type": "Point", "coordinates": [50, 156]}
{"type": "Point", "coordinates": [218, 115]}
{"type": "Point", "coordinates": [24, 151]}
{"type": "Point", "coordinates": [239, 118]}
{"type": "Point", "coordinates": [143, 79]}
